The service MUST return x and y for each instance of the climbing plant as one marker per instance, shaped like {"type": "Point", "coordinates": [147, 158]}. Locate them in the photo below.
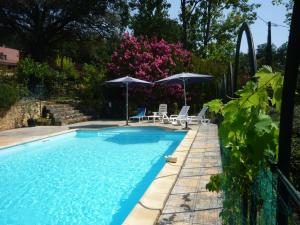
{"type": "Point", "coordinates": [249, 135]}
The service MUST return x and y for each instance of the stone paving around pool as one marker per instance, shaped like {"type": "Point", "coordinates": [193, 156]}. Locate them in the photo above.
{"type": "Point", "coordinates": [189, 201]}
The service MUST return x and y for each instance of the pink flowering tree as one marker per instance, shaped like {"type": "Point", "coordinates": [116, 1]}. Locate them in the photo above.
{"type": "Point", "coordinates": [150, 60]}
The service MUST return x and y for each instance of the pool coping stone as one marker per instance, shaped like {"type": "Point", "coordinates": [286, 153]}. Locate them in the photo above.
{"type": "Point", "coordinates": [150, 206]}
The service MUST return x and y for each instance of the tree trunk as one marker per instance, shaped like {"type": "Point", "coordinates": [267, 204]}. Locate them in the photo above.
{"type": "Point", "coordinates": [184, 23]}
{"type": "Point", "coordinates": [207, 30]}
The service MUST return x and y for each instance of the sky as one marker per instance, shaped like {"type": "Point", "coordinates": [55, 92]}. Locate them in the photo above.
{"type": "Point", "coordinates": [267, 11]}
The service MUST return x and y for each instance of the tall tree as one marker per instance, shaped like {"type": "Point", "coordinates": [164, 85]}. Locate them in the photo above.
{"type": "Point", "coordinates": [261, 53]}
{"type": "Point", "coordinates": [151, 19]}
{"type": "Point", "coordinates": [41, 25]}
{"type": "Point", "coordinates": [289, 7]}
{"type": "Point", "coordinates": [279, 56]}
{"type": "Point", "coordinates": [209, 26]}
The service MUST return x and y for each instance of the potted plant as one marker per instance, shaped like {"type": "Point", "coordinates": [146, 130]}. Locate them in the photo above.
{"type": "Point", "coordinates": [31, 122]}
{"type": "Point", "coordinates": [31, 112]}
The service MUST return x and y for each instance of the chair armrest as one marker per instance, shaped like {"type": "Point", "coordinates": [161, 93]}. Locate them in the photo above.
{"type": "Point", "coordinates": [172, 116]}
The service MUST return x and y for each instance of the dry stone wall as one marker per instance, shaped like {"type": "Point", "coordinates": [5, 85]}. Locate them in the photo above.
{"type": "Point", "coordinates": [19, 113]}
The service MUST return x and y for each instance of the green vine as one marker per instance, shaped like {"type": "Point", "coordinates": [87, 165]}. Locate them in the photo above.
{"type": "Point", "coordinates": [249, 134]}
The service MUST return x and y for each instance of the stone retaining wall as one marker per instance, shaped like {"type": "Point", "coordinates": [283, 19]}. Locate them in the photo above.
{"type": "Point", "coordinates": [19, 113]}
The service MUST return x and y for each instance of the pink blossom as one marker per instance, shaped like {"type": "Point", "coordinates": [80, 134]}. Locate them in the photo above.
{"type": "Point", "coordinates": [151, 60]}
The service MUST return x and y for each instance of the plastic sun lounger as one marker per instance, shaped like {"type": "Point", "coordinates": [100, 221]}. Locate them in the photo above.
{"type": "Point", "coordinates": [162, 110]}
{"type": "Point", "coordinates": [177, 119]}
{"type": "Point", "coordinates": [200, 118]}
{"type": "Point", "coordinates": [141, 112]}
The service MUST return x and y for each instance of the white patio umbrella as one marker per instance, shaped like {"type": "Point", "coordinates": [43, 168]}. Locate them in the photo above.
{"type": "Point", "coordinates": [127, 81]}
{"type": "Point", "coordinates": [184, 79]}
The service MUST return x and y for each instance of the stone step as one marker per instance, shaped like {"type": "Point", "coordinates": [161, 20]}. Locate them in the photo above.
{"type": "Point", "coordinates": [60, 109]}
{"type": "Point", "coordinates": [66, 114]}
{"type": "Point", "coordinates": [75, 120]}
{"type": "Point", "coordinates": [58, 106]}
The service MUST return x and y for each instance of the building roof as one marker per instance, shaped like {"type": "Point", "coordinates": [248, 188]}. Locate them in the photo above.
{"type": "Point", "coordinates": [9, 56]}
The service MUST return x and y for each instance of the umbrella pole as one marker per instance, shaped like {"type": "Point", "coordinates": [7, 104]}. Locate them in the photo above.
{"type": "Point", "coordinates": [126, 104]}
{"type": "Point", "coordinates": [184, 93]}
{"type": "Point", "coordinates": [186, 123]}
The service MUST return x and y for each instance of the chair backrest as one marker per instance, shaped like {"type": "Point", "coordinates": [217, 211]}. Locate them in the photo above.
{"type": "Point", "coordinates": [141, 111]}
{"type": "Point", "coordinates": [184, 111]}
{"type": "Point", "coordinates": [163, 108]}
{"type": "Point", "coordinates": [201, 114]}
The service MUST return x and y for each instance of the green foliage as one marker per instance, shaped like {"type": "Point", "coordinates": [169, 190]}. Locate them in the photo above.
{"type": "Point", "coordinates": [95, 51]}
{"type": "Point", "coordinates": [67, 68]}
{"type": "Point", "coordinates": [215, 105]}
{"type": "Point", "coordinates": [278, 56]}
{"type": "Point", "coordinates": [88, 73]}
{"type": "Point", "coordinates": [215, 183]}
{"type": "Point", "coordinates": [203, 92]}
{"type": "Point", "coordinates": [289, 7]}
{"type": "Point", "coordinates": [28, 68]}
{"type": "Point", "coordinates": [151, 20]}
{"type": "Point", "coordinates": [91, 91]}
{"type": "Point", "coordinates": [210, 27]}
{"type": "Point", "coordinates": [248, 134]}
{"type": "Point", "coordinates": [295, 156]}
{"type": "Point", "coordinates": [207, 66]}
{"type": "Point", "coordinates": [46, 25]}
{"type": "Point", "coordinates": [9, 94]}
{"type": "Point", "coordinates": [32, 73]}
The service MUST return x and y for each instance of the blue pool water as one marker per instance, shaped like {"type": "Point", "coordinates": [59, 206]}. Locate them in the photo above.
{"type": "Point", "coordinates": [82, 177]}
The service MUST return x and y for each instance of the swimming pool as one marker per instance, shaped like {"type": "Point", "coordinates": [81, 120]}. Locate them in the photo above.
{"type": "Point", "coordinates": [81, 177]}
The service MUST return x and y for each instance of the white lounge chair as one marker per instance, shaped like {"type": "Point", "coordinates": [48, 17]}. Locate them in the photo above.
{"type": "Point", "coordinates": [178, 119]}
{"type": "Point", "coordinates": [162, 110]}
{"type": "Point", "coordinates": [200, 118]}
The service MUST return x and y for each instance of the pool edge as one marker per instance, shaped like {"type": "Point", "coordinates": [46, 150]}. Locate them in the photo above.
{"type": "Point", "coordinates": [37, 138]}
{"type": "Point", "coordinates": [149, 207]}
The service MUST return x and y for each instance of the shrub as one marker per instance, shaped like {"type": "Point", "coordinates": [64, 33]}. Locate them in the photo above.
{"type": "Point", "coordinates": [32, 73]}
{"type": "Point", "coordinates": [88, 73]}
{"type": "Point", "coordinates": [67, 68]}
{"type": "Point", "coordinates": [9, 95]}
{"type": "Point", "coordinates": [150, 59]}
{"type": "Point", "coordinates": [91, 91]}
{"type": "Point", "coordinates": [249, 135]}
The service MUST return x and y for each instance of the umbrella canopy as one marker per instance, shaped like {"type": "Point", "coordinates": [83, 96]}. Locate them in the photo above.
{"type": "Point", "coordinates": [184, 79]}
{"type": "Point", "coordinates": [127, 81]}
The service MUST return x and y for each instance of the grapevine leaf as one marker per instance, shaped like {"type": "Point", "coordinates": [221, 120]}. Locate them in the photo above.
{"type": "Point", "coordinates": [264, 125]}
{"type": "Point", "coordinates": [277, 84]}
{"type": "Point", "coordinates": [215, 105]}
{"type": "Point", "coordinates": [265, 69]}
{"type": "Point", "coordinates": [215, 183]}
{"type": "Point", "coordinates": [248, 134]}
{"type": "Point", "coordinates": [265, 76]}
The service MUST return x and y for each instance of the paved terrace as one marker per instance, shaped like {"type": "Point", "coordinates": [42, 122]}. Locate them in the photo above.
{"type": "Point", "coordinates": [188, 202]}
